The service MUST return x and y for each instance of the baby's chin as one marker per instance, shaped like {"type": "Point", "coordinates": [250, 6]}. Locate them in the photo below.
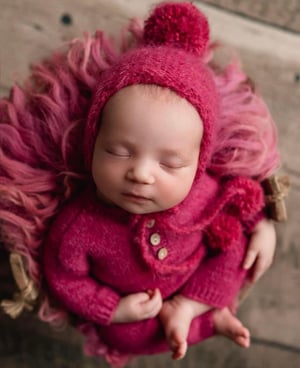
{"type": "Point", "coordinates": [149, 208]}
{"type": "Point", "coordinates": [139, 210]}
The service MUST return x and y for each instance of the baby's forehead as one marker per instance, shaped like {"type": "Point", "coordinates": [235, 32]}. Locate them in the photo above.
{"type": "Point", "coordinates": [158, 92]}
{"type": "Point", "coordinates": [154, 94]}
{"type": "Point", "coordinates": [155, 91]}
{"type": "Point", "coordinates": [151, 112]}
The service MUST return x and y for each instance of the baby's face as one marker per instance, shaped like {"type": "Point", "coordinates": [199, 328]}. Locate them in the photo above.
{"type": "Point", "coordinates": [146, 153]}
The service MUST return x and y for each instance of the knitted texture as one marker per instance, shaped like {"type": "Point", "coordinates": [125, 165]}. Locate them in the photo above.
{"type": "Point", "coordinates": [41, 167]}
{"type": "Point", "coordinates": [170, 57]}
{"type": "Point", "coordinates": [115, 247]}
{"type": "Point", "coordinates": [224, 232]}
{"type": "Point", "coordinates": [181, 26]}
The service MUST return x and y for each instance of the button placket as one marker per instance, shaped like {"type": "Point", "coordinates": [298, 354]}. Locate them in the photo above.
{"type": "Point", "coordinates": [155, 240]}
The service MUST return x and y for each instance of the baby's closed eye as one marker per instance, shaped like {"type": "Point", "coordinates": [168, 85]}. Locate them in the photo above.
{"type": "Point", "coordinates": [118, 152]}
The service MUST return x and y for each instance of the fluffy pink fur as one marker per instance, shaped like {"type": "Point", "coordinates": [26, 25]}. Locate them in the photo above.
{"type": "Point", "coordinates": [247, 141]}
{"type": "Point", "coordinates": [41, 124]}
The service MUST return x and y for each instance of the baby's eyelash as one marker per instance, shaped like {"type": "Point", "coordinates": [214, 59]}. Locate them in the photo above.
{"type": "Point", "coordinates": [172, 166]}
{"type": "Point", "coordinates": [116, 153]}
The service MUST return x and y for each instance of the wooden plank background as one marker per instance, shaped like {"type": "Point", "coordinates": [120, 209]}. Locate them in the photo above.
{"type": "Point", "coordinates": [268, 41]}
{"type": "Point", "coordinates": [279, 13]}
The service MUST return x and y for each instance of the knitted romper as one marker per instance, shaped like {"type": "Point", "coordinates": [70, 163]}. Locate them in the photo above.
{"type": "Point", "coordinates": [96, 254]}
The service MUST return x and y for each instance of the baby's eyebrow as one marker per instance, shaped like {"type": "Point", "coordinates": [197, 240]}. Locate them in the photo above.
{"type": "Point", "coordinates": [170, 151]}
{"type": "Point", "coordinates": [173, 154]}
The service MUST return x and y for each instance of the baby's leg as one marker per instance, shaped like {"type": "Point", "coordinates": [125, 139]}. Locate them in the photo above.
{"type": "Point", "coordinates": [228, 325]}
{"type": "Point", "coordinates": [176, 316]}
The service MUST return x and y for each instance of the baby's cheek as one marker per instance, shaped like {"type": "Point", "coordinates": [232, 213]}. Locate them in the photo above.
{"type": "Point", "coordinates": [173, 193]}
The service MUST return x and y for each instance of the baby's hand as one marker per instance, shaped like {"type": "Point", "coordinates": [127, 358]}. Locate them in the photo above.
{"type": "Point", "coordinates": [261, 249]}
{"type": "Point", "coordinates": [139, 306]}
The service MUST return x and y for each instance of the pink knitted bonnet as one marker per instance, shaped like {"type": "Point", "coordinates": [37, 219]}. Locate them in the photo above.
{"type": "Point", "coordinates": [171, 55]}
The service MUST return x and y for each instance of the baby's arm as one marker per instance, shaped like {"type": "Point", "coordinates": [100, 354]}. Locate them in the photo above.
{"type": "Point", "coordinates": [214, 284]}
{"type": "Point", "coordinates": [260, 254]}
{"type": "Point", "coordinates": [68, 274]}
{"type": "Point", "coordinates": [261, 249]}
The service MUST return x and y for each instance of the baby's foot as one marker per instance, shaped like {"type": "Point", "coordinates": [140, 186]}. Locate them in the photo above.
{"type": "Point", "coordinates": [176, 316]}
{"type": "Point", "coordinates": [228, 325]}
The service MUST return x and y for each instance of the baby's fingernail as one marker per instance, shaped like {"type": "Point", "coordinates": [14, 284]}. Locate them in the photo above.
{"type": "Point", "coordinates": [246, 265]}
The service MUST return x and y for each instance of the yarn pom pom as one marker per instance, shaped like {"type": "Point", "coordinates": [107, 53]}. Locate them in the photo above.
{"type": "Point", "coordinates": [180, 25]}
{"type": "Point", "coordinates": [248, 198]}
{"type": "Point", "coordinates": [224, 232]}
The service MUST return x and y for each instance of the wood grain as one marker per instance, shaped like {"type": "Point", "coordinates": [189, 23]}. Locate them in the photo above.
{"type": "Point", "coordinates": [278, 13]}
{"type": "Point", "coordinates": [30, 30]}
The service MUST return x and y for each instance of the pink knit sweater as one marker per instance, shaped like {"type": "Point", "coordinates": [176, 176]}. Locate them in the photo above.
{"type": "Point", "coordinates": [96, 254]}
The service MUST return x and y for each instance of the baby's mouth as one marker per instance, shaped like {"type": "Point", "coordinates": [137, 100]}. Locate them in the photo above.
{"type": "Point", "coordinates": [135, 196]}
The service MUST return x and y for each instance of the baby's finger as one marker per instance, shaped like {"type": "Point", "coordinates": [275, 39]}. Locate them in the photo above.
{"type": "Point", "coordinates": [154, 311]}
{"type": "Point", "coordinates": [156, 294]}
{"type": "Point", "coordinates": [259, 270]}
{"type": "Point", "coordinates": [250, 259]}
{"type": "Point", "coordinates": [141, 297]}
{"type": "Point", "coordinates": [152, 306]}
{"type": "Point", "coordinates": [155, 301]}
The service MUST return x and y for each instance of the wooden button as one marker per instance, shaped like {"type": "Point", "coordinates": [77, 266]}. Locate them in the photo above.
{"type": "Point", "coordinates": [150, 223]}
{"type": "Point", "coordinates": [162, 253]}
{"type": "Point", "coordinates": [155, 239]}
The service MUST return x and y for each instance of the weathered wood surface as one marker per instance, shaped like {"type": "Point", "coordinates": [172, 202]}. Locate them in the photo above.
{"type": "Point", "coordinates": [29, 30]}
{"type": "Point", "coordinates": [279, 13]}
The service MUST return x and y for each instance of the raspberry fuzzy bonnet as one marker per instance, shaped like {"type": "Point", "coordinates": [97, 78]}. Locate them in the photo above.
{"type": "Point", "coordinates": [175, 41]}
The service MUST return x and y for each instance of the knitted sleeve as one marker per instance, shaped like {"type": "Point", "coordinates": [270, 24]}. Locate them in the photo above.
{"type": "Point", "coordinates": [250, 225]}
{"type": "Point", "coordinates": [218, 278]}
{"type": "Point", "coordinates": [68, 275]}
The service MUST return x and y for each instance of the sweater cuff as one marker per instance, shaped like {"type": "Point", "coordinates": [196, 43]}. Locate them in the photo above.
{"type": "Point", "coordinates": [206, 296]}
{"type": "Point", "coordinates": [103, 307]}
{"type": "Point", "coordinates": [214, 296]}
{"type": "Point", "coordinates": [218, 279]}
{"type": "Point", "coordinates": [250, 224]}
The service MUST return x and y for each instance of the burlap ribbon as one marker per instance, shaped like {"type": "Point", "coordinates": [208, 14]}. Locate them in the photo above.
{"type": "Point", "coordinates": [27, 295]}
{"type": "Point", "coordinates": [276, 189]}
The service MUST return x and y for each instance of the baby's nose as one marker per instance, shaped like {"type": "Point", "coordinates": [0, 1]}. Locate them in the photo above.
{"type": "Point", "coordinates": [141, 173]}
